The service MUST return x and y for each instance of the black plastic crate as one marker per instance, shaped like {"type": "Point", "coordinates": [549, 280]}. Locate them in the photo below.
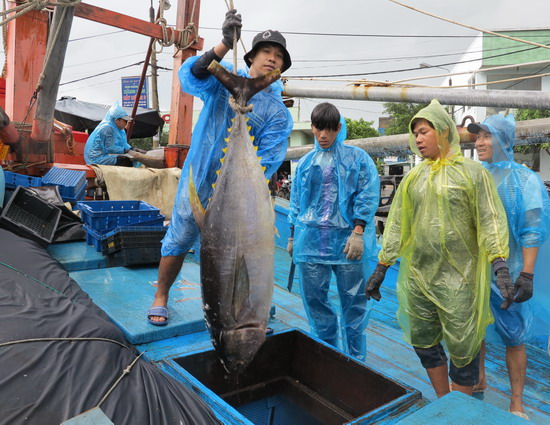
{"type": "Point", "coordinates": [133, 237]}
{"type": "Point", "coordinates": [30, 216]}
{"type": "Point", "coordinates": [134, 256]}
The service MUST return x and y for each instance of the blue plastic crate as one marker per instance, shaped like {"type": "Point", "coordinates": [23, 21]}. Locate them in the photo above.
{"type": "Point", "coordinates": [107, 215]}
{"type": "Point", "coordinates": [15, 179]}
{"type": "Point", "coordinates": [71, 183]}
{"type": "Point", "coordinates": [79, 196]}
{"type": "Point", "coordinates": [98, 238]}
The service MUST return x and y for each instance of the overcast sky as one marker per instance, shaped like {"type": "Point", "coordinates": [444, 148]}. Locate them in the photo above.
{"type": "Point", "coordinates": [96, 48]}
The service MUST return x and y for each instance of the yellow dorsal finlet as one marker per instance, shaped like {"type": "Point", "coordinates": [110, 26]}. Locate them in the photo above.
{"type": "Point", "coordinates": [252, 138]}
{"type": "Point", "coordinates": [226, 141]}
{"type": "Point", "coordinates": [249, 127]}
{"type": "Point", "coordinates": [229, 130]}
{"type": "Point", "coordinates": [222, 160]}
{"type": "Point", "coordinates": [218, 172]}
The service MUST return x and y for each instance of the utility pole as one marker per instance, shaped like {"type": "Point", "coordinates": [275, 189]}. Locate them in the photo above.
{"type": "Point", "coordinates": [154, 80]}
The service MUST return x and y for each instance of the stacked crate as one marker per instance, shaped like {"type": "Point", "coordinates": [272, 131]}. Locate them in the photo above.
{"type": "Point", "coordinates": [128, 232]}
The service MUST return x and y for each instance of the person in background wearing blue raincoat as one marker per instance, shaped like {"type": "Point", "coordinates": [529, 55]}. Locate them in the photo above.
{"type": "Point", "coordinates": [335, 194]}
{"type": "Point", "coordinates": [109, 139]}
{"type": "Point", "coordinates": [271, 124]}
{"type": "Point", "coordinates": [447, 224]}
{"type": "Point", "coordinates": [527, 207]}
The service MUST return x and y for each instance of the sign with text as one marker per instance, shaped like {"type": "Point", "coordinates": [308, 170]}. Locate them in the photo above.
{"type": "Point", "coordinates": [129, 89]}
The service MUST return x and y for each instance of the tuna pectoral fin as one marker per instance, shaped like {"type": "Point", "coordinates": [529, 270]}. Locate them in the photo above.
{"type": "Point", "coordinates": [241, 290]}
{"type": "Point", "coordinates": [194, 201]}
{"type": "Point", "coordinates": [242, 88]}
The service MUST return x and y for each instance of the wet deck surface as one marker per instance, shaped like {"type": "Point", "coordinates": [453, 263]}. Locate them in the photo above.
{"type": "Point", "coordinates": [126, 293]}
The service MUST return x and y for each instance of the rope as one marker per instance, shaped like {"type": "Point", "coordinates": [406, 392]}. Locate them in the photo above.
{"type": "Point", "coordinates": [125, 372]}
{"type": "Point", "coordinates": [31, 5]}
{"type": "Point", "coordinates": [24, 341]}
{"type": "Point", "coordinates": [238, 108]}
{"type": "Point", "coordinates": [242, 42]}
{"type": "Point", "coordinates": [32, 278]}
{"type": "Point", "coordinates": [471, 27]}
{"type": "Point", "coordinates": [187, 36]}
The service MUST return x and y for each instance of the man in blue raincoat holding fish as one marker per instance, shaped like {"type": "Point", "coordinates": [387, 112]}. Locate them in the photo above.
{"type": "Point", "coordinates": [270, 124]}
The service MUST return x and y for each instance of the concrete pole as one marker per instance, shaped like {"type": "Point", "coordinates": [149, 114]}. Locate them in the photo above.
{"type": "Point", "coordinates": [527, 132]}
{"type": "Point", "coordinates": [529, 99]}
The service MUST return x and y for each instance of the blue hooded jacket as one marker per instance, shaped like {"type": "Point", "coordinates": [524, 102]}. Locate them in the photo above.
{"type": "Point", "coordinates": [332, 188]}
{"type": "Point", "coordinates": [270, 123]}
{"type": "Point", "coordinates": [527, 207]}
{"type": "Point", "coordinates": [107, 139]}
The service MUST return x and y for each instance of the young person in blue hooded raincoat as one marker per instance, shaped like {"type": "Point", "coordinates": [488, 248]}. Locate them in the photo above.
{"type": "Point", "coordinates": [270, 123]}
{"type": "Point", "coordinates": [527, 207]}
{"type": "Point", "coordinates": [109, 139]}
{"type": "Point", "coordinates": [335, 194]}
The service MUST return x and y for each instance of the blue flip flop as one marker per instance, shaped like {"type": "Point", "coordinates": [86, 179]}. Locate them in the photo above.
{"type": "Point", "coordinates": [158, 311]}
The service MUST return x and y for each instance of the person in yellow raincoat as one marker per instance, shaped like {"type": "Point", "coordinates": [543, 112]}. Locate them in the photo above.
{"type": "Point", "coordinates": [447, 224]}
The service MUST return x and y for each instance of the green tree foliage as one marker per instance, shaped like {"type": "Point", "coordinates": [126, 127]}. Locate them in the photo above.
{"type": "Point", "coordinates": [402, 114]}
{"type": "Point", "coordinates": [360, 129]}
{"type": "Point", "coordinates": [531, 114]}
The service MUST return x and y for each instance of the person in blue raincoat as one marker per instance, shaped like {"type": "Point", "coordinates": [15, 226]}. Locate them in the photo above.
{"type": "Point", "coordinates": [527, 207]}
{"type": "Point", "coordinates": [270, 122]}
{"type": "Point", "coordinates": [334, 196]}
{"type": "Point", "coordinates": [109, 139]}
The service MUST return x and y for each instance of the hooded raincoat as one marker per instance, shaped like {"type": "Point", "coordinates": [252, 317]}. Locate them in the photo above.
{"type": "Point", "coordinates": [107, 139]}
{"type": "Point", "coordinates": [447, 224]}
{"type": "Point", "coordinates": [270, 123]}
{"type": "Point", "coordinates": [527, 207]}
{"type": "Point", "coordinates": [331, 189]}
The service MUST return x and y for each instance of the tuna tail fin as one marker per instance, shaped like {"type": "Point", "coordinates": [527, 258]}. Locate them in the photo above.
{"type": "Point", "coordinates": [194, 201]}
{"type": "Point", "coordinates": [242, 88]}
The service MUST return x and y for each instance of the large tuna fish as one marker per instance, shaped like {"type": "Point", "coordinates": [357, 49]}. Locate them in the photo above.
{"type": "Point", "coordinates": [237, 238]}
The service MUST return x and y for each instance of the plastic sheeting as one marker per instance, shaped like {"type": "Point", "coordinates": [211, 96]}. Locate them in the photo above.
{"type": "Point", "coordinates": [45, 382]}
{"type": "Point", "coordinates": [447, 224]}
{"type": "Point", "coordinates": [107, 139]}
{"type": "Point", "coordinates": [270, 124]}
{"type": "Point", "coordinates": [85, 116]}
{"type": "Point", "coordinates": [527, 207]}
{"type": "Point", "coordinates": [332, 188]}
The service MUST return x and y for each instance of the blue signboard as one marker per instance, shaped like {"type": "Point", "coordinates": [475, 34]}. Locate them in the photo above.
{"type": "Point", "coordinates": [129, 89]}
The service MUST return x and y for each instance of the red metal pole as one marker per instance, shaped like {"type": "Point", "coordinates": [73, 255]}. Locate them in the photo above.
{"type": "Point", "coordinates": [181, 109]}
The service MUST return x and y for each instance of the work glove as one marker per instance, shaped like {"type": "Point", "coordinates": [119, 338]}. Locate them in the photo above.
{"type": "Point", "coordinates": [504, 282]}
{"type": "Point", "coordinates": [231, 26]}
{"type": "Point", "coordinates": [290, 246]}
{"type": "Point", "coordinates": [354, 246]}
{"type": "Point", "coordinates": [374, 282]}
{"type": "Point", "coordinates": [523, 287]}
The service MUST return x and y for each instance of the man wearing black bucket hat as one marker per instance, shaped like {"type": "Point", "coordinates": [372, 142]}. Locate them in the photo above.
{"type": "Point", "coordinates": [270, 123]}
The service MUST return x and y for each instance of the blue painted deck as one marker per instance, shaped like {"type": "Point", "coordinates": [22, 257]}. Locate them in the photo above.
{"type": "Point", "coordinates": [125, 294]}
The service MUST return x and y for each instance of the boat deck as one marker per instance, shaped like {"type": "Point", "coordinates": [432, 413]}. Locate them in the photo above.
{"type": "Point", "coordinates": [126, 293]}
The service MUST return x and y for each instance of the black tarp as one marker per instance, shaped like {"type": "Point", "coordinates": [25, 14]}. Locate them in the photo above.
{"type": "Point", "coordinates": [48, 382]}
{"type": "Point", "coordinates": [85, 116]}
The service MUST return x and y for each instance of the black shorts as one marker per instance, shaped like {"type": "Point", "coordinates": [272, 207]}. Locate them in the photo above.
{"type": "Point", "coordinates": [435, 356]}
